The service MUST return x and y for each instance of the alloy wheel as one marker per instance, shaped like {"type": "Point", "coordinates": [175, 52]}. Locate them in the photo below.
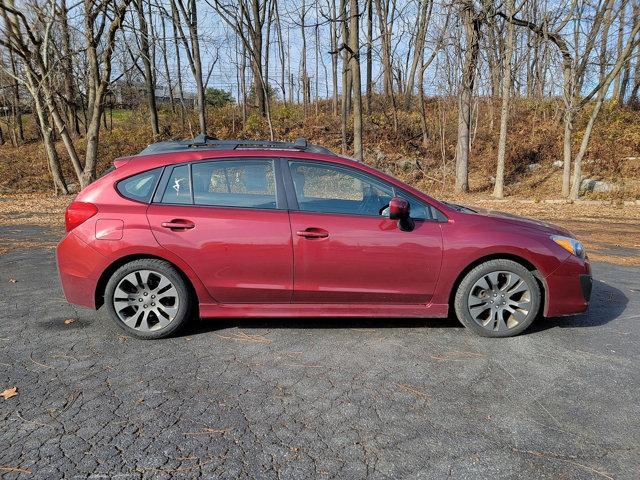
{"type": "Point", "coordinates": [499, 301]}
{"type": "Point", "coordinates": [146, 300]}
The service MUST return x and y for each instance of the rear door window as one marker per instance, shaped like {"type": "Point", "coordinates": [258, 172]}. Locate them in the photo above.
{"type": "Point", "coordinates": [243, 183]}
{"type": "Point", "coordinates": [178, 189]}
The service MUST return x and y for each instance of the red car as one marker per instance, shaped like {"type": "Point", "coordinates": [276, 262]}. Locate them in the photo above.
{"type": "Point", "coordinates": [272, 229]}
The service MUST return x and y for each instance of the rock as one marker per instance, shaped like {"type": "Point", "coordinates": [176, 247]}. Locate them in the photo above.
{"type": "Point", "coordinates": [408, 164]}
{"type": "Point", "coordinates": [591, 185]}
{"type": "Point", "coordinates": [379, 155]}
{"type": "Point", "coordinates": [533, 166]}
{"type": "Point", "coordinates": [558, 164]}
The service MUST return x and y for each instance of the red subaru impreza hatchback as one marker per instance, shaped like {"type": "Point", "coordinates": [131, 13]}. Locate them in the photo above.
{"type": "Point", "coordinates": [237, 229]}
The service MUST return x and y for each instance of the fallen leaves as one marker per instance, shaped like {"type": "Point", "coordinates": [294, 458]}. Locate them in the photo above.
{"type": "Point", "coordinates": [207, 431]}
{"type": "Point", "coordinates": [9, 392]}
{"type": "Point", "coordinates": [13, 280]}
{"type": "Point", "coordinates": [413, 391]}
{"type": "Point", "coordinates": [69, 321]}
{"type": "Point", "coordinates": [7, 468]}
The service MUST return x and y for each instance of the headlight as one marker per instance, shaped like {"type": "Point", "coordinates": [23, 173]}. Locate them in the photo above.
{"type": "Point", "coordinates": [571, 245]}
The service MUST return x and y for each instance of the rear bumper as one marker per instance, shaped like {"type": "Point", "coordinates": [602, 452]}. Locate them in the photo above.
{"type": "Point", "coordinates": [78, 267]}
{"type": "Point", "coordinates": [569, 288]}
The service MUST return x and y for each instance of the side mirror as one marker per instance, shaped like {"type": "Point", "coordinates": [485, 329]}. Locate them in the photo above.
{"type": "Point", "coordinates": [399, 209]}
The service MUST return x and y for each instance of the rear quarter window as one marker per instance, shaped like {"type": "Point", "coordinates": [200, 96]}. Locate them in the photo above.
{"type": "Point", "coordinates": [139, 187]}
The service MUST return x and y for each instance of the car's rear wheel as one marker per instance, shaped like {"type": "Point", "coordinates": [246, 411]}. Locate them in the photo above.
{"type": "Point", "coordinates": [148, 298]}
{"type": "Point", "coordinates": [498, 298]}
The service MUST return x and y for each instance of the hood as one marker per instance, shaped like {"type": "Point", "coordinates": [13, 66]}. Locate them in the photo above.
{"type": "Point", "coordinates": [529, 223]}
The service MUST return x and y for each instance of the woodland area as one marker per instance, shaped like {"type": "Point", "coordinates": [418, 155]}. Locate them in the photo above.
{"type": "Point", "coordinates": [451, 96]}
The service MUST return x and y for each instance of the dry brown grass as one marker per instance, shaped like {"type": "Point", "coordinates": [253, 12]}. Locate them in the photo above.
{"type": "Point", "coordinates": [33, 209]}
{"type": "Point", "coordinates": [535, 136]}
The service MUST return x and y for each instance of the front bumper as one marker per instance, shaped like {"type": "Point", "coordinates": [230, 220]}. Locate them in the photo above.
{"type": "Point", "coordinates": [586, 283]}
{"type": "Point", "coordinates": [568, 288]}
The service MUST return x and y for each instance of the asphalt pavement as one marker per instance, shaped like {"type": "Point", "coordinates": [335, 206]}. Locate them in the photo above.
{"type": "Point", "coordinates": [294, 399]}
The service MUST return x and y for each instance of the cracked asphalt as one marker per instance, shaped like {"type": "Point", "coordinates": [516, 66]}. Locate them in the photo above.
{"type": "Point", "coordinates": [379, 399]}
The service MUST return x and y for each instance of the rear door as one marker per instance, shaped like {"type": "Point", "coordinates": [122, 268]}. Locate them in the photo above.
{"type": "Point", "coordinates": [346, 250]}
{"type": "Point", "coordinates": [227, 220]}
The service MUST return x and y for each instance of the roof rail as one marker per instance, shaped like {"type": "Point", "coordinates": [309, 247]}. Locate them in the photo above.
{"type": "Point", "coordinates": [202, 141]}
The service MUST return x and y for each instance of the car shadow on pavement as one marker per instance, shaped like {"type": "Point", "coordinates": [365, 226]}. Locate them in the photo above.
{"type": "Point", "coordinates": [607, 304]}
{"type": "Point", "coordinates": [213, 324]}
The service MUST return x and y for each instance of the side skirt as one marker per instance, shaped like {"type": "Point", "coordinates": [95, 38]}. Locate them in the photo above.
{"type": "Point", "coordinates": [322, 310]}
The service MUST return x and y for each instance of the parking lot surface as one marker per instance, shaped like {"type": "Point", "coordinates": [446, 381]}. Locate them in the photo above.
{"type": "Point", "coordinates": [315, 398]}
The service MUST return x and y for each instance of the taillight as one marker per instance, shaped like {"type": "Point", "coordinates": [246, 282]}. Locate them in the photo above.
{"type": "Point", "coordinates": [77, 213]}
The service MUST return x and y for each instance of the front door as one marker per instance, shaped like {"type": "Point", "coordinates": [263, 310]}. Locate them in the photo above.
{"type": "Point", "coordinates": [347, 251]}
{"type": "Point", "coordinates": [224, 219]}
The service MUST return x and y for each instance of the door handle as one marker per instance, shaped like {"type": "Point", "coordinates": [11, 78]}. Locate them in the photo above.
{"type": "Point", "coordinates": [313, 233]}
{"type": "Point", "coordinates": [178, 224]}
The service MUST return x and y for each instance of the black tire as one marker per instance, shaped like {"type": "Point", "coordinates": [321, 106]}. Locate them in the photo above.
{"type": "Point", "coordinates": [158, 268]}
{"type": "Point", "coordinates": [497, 326]}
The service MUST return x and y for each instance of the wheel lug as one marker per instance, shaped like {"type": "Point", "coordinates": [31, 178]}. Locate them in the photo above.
{"type": "Point", "coordinates": [139, 299]}
{"type": "Point", "coordinates": [153, 304]}
{"type": "Point", "coordinates": [153, 296]}
{"type": "Point", "coordinates": [145, 294]}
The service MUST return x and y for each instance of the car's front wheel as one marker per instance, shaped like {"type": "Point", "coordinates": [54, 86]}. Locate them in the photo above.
{"type": "Point", "coordinates": [148, 298]}
{"type": "Point", "coordinates": [498, 298]}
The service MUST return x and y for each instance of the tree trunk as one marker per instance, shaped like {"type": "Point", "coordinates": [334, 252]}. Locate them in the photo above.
{"type": "Point", "coordinates": [498, 190]}
{"type": "Point", "coordinates": [282, 55]}
{"type": "Point", "coordinates": [67, 71]}
{"type": "Point", "coordinates": [18, 130]}
{"type": "Point", "coordinates": [175, 24]}
{"type": "Point", "coordinates": [471, 28]}
{"type": "Point", "coordinates": [57, 176]}
{"type": "Point", "coordinates": [303, 64]}
{"type": "Point", "coordinates": [418, 49]}
{"type": "Point", "coordinates": [369, 53]}
{"type": "Point", "coordinates": [566, 150]}
{"type": "Point", "coordinates": [387, 74]}
{"type": "Point", "coordinates": [197, 66]}
{"type": "Point", "coordinates": [617, 93]}
{"type": "Point", "coordinates": [148, 72]}
{"type": "Point", "coordinates": [354, 47]}
{"type": "Point", "coordinates": [385, 26]}
{"type": "Point", "coordinates": [346, 90]}
{"type": "Point", "coordinates": [165, 61]}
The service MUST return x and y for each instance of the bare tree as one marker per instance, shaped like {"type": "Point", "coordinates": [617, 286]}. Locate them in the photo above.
{"type": "Point", "coordinates": [29, 41]}
{"type": "Point", "coordinates": [498, 190]}
{"type": "Point", "coordinates": [189, 14]}
{"type": "Point", "coordinates": [354, 64]}
{"type": "Point", "coordinates": [471, 23]}
{"type": "Point", "coordinates": [386, 10]}
{"type": "Point", "coordinates": [149, 77]}
{"type": "Point", "coordinates": [248, 18]}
